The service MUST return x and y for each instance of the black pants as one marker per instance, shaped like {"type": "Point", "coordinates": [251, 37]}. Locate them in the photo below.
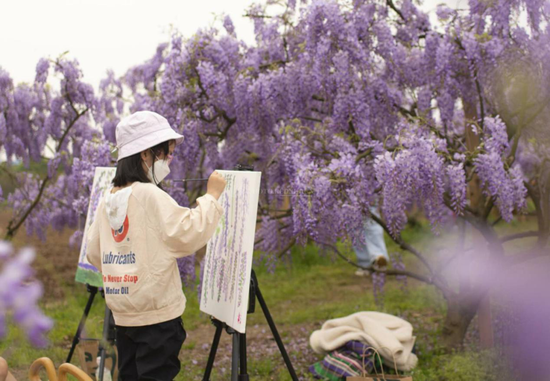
{"type": "Point", "coordinates": [150, 352]}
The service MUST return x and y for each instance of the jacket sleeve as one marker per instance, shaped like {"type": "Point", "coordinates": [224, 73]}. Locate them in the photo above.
{"type": "Point", "coordinates": [185, 230]}
{"type": "Point", "coordinates": [93, 251]}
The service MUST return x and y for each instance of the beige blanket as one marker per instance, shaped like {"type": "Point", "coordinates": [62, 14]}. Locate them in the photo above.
{"type": "Point", "coordinates": [387, 333]}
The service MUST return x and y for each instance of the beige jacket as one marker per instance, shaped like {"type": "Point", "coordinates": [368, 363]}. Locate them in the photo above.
{"type": "Point", "coordinates": [138, 259]}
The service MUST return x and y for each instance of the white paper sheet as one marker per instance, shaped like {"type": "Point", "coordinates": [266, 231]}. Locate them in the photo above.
{"type": "Point", "coordinates": [229, 253]}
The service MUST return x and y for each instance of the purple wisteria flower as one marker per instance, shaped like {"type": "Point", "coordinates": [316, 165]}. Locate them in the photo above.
{"type": "Point", "coordinates": [19, 295]}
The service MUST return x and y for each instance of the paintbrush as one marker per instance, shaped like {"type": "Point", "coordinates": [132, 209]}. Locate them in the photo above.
{"type": "Point", "coordinates": [186, 180]}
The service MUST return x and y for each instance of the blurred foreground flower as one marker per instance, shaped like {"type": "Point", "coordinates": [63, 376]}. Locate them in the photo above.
{"type": "Point", "coordinates": [19, 294]}
{"type": "Point", "coordinates": [526, 289]}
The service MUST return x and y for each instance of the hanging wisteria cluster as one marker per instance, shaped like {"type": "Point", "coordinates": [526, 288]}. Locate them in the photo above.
{"type": "Point", "coordinates": [19, 295]}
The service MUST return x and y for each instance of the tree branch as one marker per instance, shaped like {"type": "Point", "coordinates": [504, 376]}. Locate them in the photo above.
{"type": "Point", "coordinates": [286, 248]}
{"type": "Point", "coordinates": [268, 65]}
{"type": "Point", "coordinates": [481, 107]}
{"type": "Point", "coordinates": [444, 289]}
{"type": "Point", "coordinates": [362, 155]}
{"type": "Point", "coordinates": [476, 221]}
{"type": "Point", "coordinates": [14, 227]}
{"type": "Point", "coordinates": [310, 119]}
{"type": "Point", "coordinates": [257, 16]}
{"type": "Point", "coordinates": [10, 174]}
{"type": "Point", "coordinates": [488, 207]}
{"type": "Point", "coordinates": [521, 258]}
{"type": "Point", "coordinates": [219, 112]}
{"type": "Point", "coordinates": [521, 235]}
{"type": "Point", "coordinates": [543, 231]}
{"type": "Point", "coordinates": [392, 6]}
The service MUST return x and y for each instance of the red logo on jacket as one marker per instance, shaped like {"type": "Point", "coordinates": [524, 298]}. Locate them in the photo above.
{"type": "Point", "coordinates": [120, 234]}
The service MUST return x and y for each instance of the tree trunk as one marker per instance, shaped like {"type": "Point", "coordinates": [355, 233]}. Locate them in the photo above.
{"type": "Point", "coordinates": [477, 202]}
{"type": "Point", "coordinates": [459, 316]}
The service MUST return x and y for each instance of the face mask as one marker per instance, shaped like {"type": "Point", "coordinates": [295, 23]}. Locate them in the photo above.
{"type": "Point", "coordinates": [162, 169]}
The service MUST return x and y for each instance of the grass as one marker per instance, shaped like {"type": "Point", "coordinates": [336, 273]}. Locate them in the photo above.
{"type": "Point", "coordinates": [464, 366]}
{"type": "Point", "coordinates": [66, 313]}
{"type": "Point", "coordinates": [307, 288]}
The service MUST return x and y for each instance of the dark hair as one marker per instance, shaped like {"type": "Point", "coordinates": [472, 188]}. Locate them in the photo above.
{"type": "Point", "coordinates": [130, 169]}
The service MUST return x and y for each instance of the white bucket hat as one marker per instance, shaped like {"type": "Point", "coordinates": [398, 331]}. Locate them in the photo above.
{"type": "Point", "coordinates": [142, 130]}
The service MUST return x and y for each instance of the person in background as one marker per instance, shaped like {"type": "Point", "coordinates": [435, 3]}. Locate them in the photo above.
{"type": "Point", "coordinates": [373, 251]}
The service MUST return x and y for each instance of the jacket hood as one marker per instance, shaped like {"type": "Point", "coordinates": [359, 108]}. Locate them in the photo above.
{"type": "Point", "coordinates": [116, 206]}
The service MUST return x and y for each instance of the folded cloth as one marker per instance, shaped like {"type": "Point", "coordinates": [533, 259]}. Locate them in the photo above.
{"type": "Point", "coordinates": [334, 367]}
{"type": "Point", "coordinates": [346, 361]}
{"type": "Point", "coordinates": [390, 335]}
{"type": "Point", "coordinates": [341, 363]}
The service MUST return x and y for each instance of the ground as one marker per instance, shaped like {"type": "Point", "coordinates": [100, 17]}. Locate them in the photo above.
{"type": "Point", "coordinates": [306, 289]}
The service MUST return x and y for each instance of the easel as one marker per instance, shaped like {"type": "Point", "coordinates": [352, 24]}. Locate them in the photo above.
{"type": "Point", "coordinates": [108, 331]}
{"type": "Point", "coordinates": [239, 363]}
{"type": "Point", "coordinates": [239, 370]}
